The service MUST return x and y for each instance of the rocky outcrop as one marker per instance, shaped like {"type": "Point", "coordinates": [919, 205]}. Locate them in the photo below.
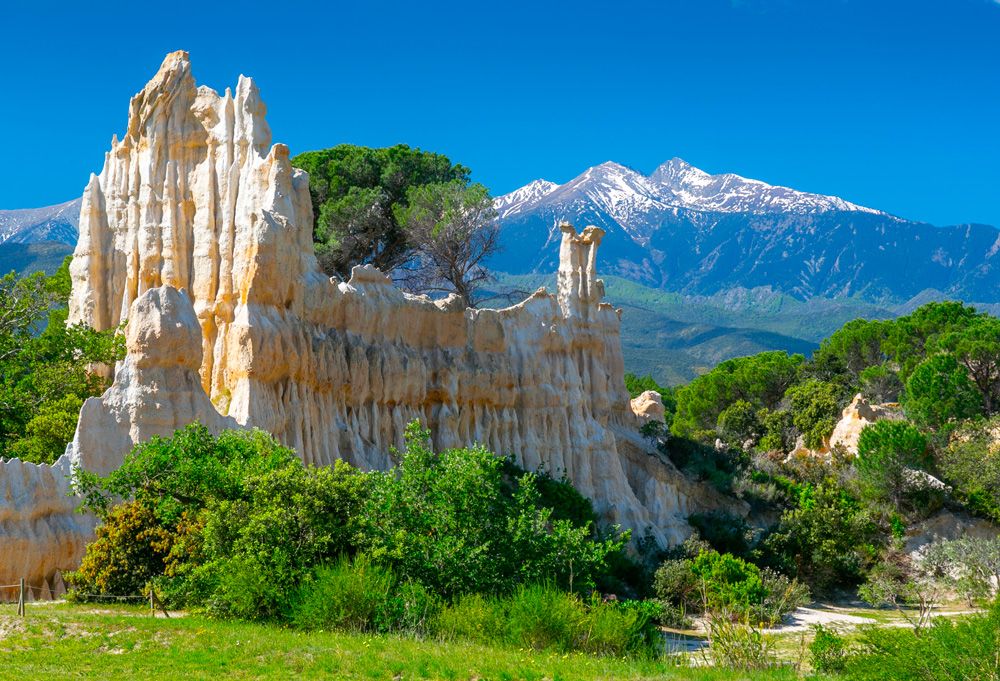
{"type": "Point", "coordinates": [858, 414]}
{"type": "Point", "coordinates": [198, 232]}
{"type": "Point", "coordinates": [648, 406]}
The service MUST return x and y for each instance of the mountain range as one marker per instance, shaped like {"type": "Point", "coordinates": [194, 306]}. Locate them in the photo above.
{"type": "Point", "coordinates": [705, 267]}
{"type": "Point", "coordinates": [681, 229]}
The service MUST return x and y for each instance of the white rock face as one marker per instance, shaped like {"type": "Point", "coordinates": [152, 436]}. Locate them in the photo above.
{"type": "Point", "coordinates": [198, 232]}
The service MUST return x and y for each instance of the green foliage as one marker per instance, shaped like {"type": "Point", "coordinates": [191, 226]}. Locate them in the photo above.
{"type": "Point", "coordinates": [244, 530]}
{"type": "Point", "coordinates": [815, 408]}
{"type": "Point", "coordinates": [636, 385]}
{"type": "Point", "coordinates": [851, 349]}
{"type": "Point", "coordinates": [261, 546]}
{"type": "Point", "coordinates": [130, 549]}
{"type": "Point", "coordinates": [721, 583]}
{"type": "Point", "coordinates": [739, 423]}
{"type": "Point", "coordinates": [724, 532]}
{"type": "Point", "coordinates": [972, 565]}
{"type": "Point", "coordinates": [452, 229]}
{"type": "Point", "coordinates": [948, 649]}
{"type": "Point", "coordinates": [44, 375]}
{"type": "Point", "coordinates": [971, 463]}
{"type": "Point", "coordinates": [362, 596]}
{"type": "Point", "coordinates": [880, 383]}
{"type": "Point", "coordinates": [939, 391]}
{"type": "Point", "coordinates": [357, 193]}
{"type": "Point", "coordinates": [540, 617]}
{"type": "Point", "coordinates": [977, 349]}
{"type": "Point", "coordinates": [740, 646]}
{"type": "Point", "coordinates": [887, 452]}
{"type": "Point", "coordinates": [826, 541]}
{"type": "Point", "coordinates": [760, 380]}
{"type": "Point", "coordinates": [828, 650]}
{"type": "Point", "coordinates": [444, 520]}
{"type": "Point", "coordinates": [187, 471]}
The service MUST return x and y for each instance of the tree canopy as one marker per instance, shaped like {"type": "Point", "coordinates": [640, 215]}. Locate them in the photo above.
{"type": "Point", "coordinates": [44, 365]}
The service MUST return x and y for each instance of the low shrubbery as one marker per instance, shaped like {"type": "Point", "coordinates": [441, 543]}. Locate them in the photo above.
{"type": "Point", "coordinates": [234, 525]}
{"type": "Point", "coordinates": [963, 649]}
{"type": "Point", "coordinates": [542, 617]}
{"type": "Point", "coordinates": [722, 583]}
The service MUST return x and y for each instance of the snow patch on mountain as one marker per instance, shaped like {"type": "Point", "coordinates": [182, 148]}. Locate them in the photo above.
{"type": "Point", "coordinates": [633, 200]}
{"type": "Point", "coordinates": [32, 225]}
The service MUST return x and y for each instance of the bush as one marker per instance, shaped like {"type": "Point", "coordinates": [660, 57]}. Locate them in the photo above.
{"type": "Point", "coordinates": [293, 519]}
{"type": "Point", "coordinates": [827, 541]}
{"type": "Point", "coordinates": [723, 583]}
{"type": "Point", "coordinates": [448, 521]}
{"type": "Point", "coordinates": [828, 651]}
{"type": "Point", "coordinates": [724, 532]}
{"type": "Point", "coordinates": [130, 549]}
{"type": "Point", "coordinates": [545, 618]}
{"type": "Point", "coordinates": [947, 649]}
{"type": "Point", "coordinates": [971, 462]}
{"type": "Point", "coordinates": [739, 646]}
{"type": "Point", "coordinates": [815, 409]}
{"type": "Point", "coordinates": [939, 390]}
{"type": "Point", "coordinates": [361, 596]}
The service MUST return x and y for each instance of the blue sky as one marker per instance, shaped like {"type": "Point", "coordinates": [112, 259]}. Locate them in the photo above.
{"type": "Point", "coordinates": [889, 103]}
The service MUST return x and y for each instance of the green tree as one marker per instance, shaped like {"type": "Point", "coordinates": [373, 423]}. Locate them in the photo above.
{"type": "Point", "coordinates": [815, 409]}
{"type": "Point", "coordinates": [977, 348]}
{"type": "Point", "coordinates": [939, 391]}
{"type": "Point", "coordinates": [851, 349]}
{"type": "Point", "coordinates": [445, 520]}
{"type": "Point", "coordinates": [887, 451]}
{"type": "Point", "coordinates": [760, 379]}
{"type": "Point", "coordinates": [739, 423]}
{"type": "Point", "coordinates": [826, 541]}
{"type": "Point", "coordinates": [971, 464]}
{"type": "Point", "coordinates": [913, 337]}
{"type": "Point", "coordinates": [452, 229]}
{"type": "Point", "coordinates": [44, 374]}
{"type": "Point", "coordinates": [356, 194]}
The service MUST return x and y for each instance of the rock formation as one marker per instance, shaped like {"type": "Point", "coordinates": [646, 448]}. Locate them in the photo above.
{"type": "Point", "coordinates": [198, 233]}
{"type": "Point", "coordinates": [858, 414]}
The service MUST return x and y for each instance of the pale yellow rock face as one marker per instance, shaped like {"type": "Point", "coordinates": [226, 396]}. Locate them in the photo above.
{"type": "Point", "coordinates": [199, 232]}
{"type": "Point", "coordinates": [858, 414]}
{"type": "Point", "coordinates": [648, 406]}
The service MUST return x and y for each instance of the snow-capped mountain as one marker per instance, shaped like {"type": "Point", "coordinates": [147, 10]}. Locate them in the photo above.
{"type": "Point", "coordinates": [33, 225]}
{"type": "Point", "coordinates": [510, 204]}
{"type": "Point", "coordinates": [682, 229]}
{"type": "Point", "coordinates": [692, 188]}
{"type": "Point", "coordinates": [630, 197]}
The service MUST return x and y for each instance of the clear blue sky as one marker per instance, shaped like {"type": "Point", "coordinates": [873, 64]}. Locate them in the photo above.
{"type": "Point", "coordinates": [888, 103]}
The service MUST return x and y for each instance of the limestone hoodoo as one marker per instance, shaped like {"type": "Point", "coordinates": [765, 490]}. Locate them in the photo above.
{"type": "Point", "coordinates": [198, 233]}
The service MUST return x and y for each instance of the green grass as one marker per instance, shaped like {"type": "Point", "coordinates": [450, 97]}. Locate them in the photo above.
{"type": "Point", "coordinates": [62, 641]}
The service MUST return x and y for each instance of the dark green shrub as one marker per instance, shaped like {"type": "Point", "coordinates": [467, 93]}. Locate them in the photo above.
{"type": "Point", "coordinates": [722, 583]}
{"type": "Point", "coordinates": [971, 463]}
{"type": "Point", "coordinates": [939, 390]}
{"type": "Point", "coordinates": [293, 520]}
{"type": "Point", "coordinates": [724, 532]}
{"type": "Point", "coordinates": [826, 541]}
{"type": "Point", "coordinates": [828, 650]}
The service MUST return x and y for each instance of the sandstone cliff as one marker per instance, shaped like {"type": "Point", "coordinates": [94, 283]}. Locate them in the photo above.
{"type": "Point", "coordinates": [198, 233]}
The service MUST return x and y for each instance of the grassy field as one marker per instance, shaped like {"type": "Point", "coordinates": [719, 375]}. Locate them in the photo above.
{"type": "Point", "coordinates": [63, 641]}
